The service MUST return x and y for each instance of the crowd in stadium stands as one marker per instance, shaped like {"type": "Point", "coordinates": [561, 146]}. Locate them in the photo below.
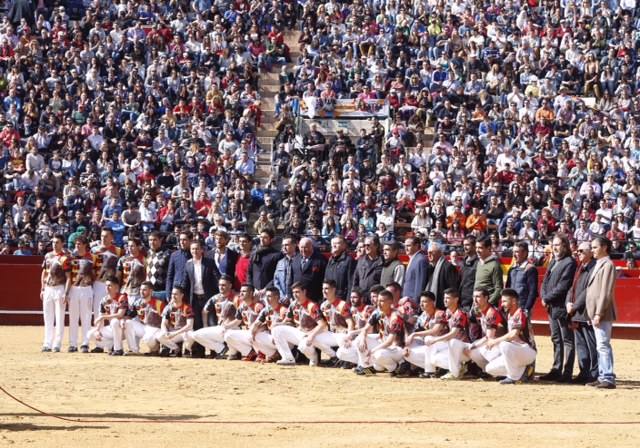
{"type": "Point", "coordinates": [139, 120]}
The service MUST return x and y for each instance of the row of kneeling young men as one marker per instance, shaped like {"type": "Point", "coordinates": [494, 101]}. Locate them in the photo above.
{"type": "Point", "coordinates": [382, 334]}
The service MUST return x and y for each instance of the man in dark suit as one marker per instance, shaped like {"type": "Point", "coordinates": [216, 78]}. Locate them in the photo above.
{"type": "Point", "coordinates": [369, 266]}
{"type": "Point", "coordinates": [340, 267]}
{"type": "Point", "coordinates": [263, 262]}
{"type": "Point", "coordinates": [442, 274]}
{"type": "Point", "coordinates": [224, 258]}
{"type": "Point", "coordinates": [586, 350]}
{"type": "Point", "coordinates": [555, 286]}
{"type": "Point", "coordinates": [308, 268]}
{"type": "Point", "coordinates": [417, 273]}
{"type": "Point", "coordinates": [201, 282]}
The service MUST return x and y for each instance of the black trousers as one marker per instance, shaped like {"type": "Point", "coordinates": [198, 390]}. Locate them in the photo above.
{"type": "Point", "coordinates": [197, 304]}
{"type": "Point", "coordinates": [563, 343]}
{"type": "Point", "coordinates": [586, 351]}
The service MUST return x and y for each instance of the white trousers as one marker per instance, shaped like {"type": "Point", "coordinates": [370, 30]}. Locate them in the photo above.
{"type": "Point", "coordinates": [416, 353]}
{"type": "Point", "coordinates": [327, 340]}
{"type": "Point", "coordinates": [150, 338]}
{"type": "Point", "coordinates": [172, 342]}
{"type": "Point", "coordinates": [238, 341]}
{"type": "Point", "coordinates": [263, 343]}
{"type": "Point", "coordinates": [102, 337]}
{"type": "Point", "coordinates": [209, 337]}
{"type": "Point", "coordinates": [285, 337]}
{"type": "Point", "coordinates": [134, 331]}
{"type": "Point", "coordinates": [80, 301]}
{"type": "Point", "coordinates": [53, 312]}
{"type": "Point", "coordinates": [513, 360]}
{"type": "Point", "coordinates": [435, 355]}
{"type": "Point", "coordinates": [457, 357]}
{"type": "Point", "coordinates": [483, 355]}
{"type": "Point", "coordinates": [386, 359]}
{"type": "Point", "coordinates": [348, 354]}
{"type": "Point", "coordinates": [117, 327]}
{"type": "Point", "coordinates": [99, 291]}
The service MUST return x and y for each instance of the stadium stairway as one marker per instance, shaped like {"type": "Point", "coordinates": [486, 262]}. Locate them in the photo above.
{"type": "Point", "coordinates": [269, 87]}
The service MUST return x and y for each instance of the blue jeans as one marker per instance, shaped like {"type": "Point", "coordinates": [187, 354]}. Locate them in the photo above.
{"type": "Point", "coordinates": [605, 354]}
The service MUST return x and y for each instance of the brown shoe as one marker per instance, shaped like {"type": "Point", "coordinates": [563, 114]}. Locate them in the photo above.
{"type": "Point", "coordinates": [250, 357]}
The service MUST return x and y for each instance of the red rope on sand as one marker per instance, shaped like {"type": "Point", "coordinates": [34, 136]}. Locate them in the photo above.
{"type": "Point", "coordinates": [314, 422]}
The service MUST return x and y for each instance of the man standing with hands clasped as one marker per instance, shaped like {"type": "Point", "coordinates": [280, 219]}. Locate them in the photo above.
{"type": "Point", "coordinates": [601, 309]}
{"type": "Point", "coordinates": [555, 286]}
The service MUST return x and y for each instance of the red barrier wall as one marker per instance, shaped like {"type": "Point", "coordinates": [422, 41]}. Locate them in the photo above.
{"type": "Point", "coordinates": [20, 297]}
{"type": "Point", "coordinates": [20, 290]}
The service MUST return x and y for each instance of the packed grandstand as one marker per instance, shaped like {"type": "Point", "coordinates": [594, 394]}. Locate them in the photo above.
{"type": "Point", "coordinates": [130, 127]}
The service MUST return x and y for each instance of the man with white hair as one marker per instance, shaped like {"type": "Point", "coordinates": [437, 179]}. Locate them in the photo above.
{"type": "Point", "coordinates": [308, 268]}
{"type": "Point", "coordinates": [442, 274]}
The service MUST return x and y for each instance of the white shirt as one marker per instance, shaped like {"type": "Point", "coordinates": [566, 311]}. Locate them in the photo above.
{"type": "Point", "coordinates": [197, 276]}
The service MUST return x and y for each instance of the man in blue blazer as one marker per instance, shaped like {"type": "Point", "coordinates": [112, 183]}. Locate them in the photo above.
{"type": "Point", "coordinates": [224, 258]}
{"type": "Point", "coordinates": [417, 273]}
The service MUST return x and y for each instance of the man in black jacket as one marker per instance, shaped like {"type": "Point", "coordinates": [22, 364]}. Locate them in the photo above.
{"type": "Point", "coordinates": [468, 273]}
{"type": "Point", "coordinates": [555, 286]}
{"type": "Point", "coordinates": [263, 262]}
{"type": "Point", "coordinates": [583, 331]}
{"type": "Point", "coordinates": [340, 267]}
{"type": "Point", "coordinates": [201, 283]}
{"type": "Point", "coordinates": [308, 268]}
{"type": "Point", "coordinates": [369, 266]}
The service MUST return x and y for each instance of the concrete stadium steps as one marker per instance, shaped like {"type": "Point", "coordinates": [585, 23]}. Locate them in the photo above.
{"type": "Point", "coordinates": [269, 87]}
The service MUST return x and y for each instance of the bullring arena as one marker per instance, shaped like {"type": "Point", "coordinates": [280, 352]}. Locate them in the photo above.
{"type": "Point", "coordinates": [100, 400]}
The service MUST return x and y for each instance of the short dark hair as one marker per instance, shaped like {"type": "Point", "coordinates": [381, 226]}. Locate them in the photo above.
{"type": "Point", "coordinates": [113, 279]}
{"type": "Point", "coordinates": [274, 290]}
{"type": "Point", "coordinates": [428, 295]}
{"type": "Point", "coordinates": [298, 285]}
{"type": "Point", "coordinates": [384, 294]}
{"type": "Point", "coordinates": [147, 283]}
{"type": "Point", "coordinates": [376, 289]}
{"type": "Point", "coordinates": [330, 282]}
{"type": "Point", "coordinates": [485, 241]}
{"type": "Point", "coordinates": [604, 242]}
{"type": "Point", "coordinates": [268, 232]}
{"type": "Point", "coordinates": [522, 245]}
{"type": "Point", "coordinates": [226, 277]}
{"type": "Point", "coordinates": [511, 293]}
{"type": "Point", "coordinates": [247, 285]}
{"type": "Point", "coordinates": [452, 292]}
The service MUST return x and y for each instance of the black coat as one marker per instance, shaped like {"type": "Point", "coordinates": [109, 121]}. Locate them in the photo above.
{"type": "Point", "coordinates": [448, 277]}
{"type": "Point", "coordinates": [210, 277]}
{"type": "Point", "coordinates": [578, 292]}
{"type": "Point", "coordinates": [262, 266]}
{"type": "Point", "coordinates": [341, 270]}
{"type": "Point", "coordinates": [312, 276]}
{"type": "Point", "coordinates": [367, 274]}
{"type": "Point", "coordinates": [557, 282]}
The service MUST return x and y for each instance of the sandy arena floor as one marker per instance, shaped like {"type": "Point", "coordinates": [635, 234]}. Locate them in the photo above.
{"type": "Point", "coordinates": [98, 387]}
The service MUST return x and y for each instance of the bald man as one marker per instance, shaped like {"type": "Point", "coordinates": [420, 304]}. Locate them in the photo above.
{"type": "Point", "coordinates": [308, 268]}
